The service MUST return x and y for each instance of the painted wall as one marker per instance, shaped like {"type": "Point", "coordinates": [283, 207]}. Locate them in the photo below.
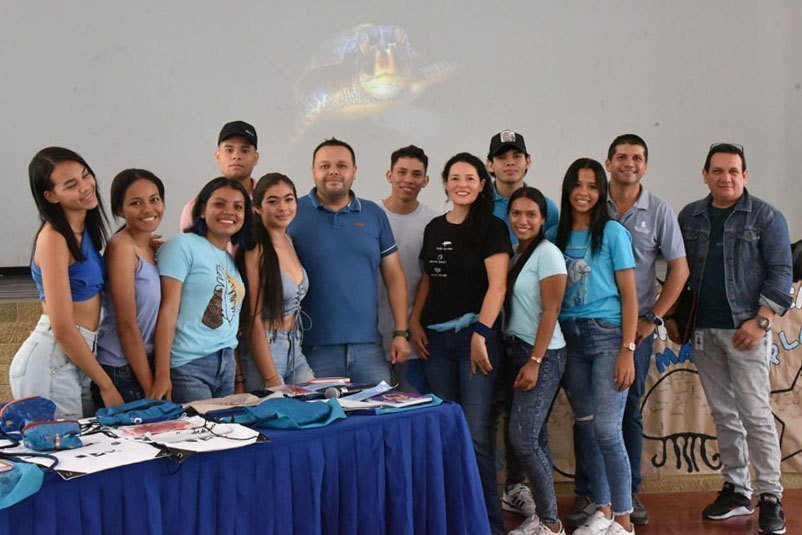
{"type": "Point", "coordinates": [149, 84]}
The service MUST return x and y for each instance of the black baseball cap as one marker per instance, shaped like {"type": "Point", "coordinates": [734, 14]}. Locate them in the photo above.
{"type": "Point", "coordinates": [504, 141]}
{"type": "Point", "coordinates": [238, 128]}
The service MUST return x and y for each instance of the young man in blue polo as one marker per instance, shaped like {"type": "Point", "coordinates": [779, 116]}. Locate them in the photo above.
{"type": "Point", "coordinates": [345, 243]}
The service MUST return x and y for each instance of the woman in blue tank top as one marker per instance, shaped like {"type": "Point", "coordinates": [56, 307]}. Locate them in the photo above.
{"type": "Point", "coordinates": [57, 360]}
{"type": "Point", "coordinates": [278, 283]}
{"type": "Point", "coordinates": [131, 302]}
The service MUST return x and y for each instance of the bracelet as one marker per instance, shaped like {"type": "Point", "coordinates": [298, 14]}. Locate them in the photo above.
{"type": "Point", "coordinates": [482, 330]}
{"type": "Point", "coordinates": [537, 359]}
{"type": "Point", "coordinates": [268, 379]}
{"type": "Point", "coordinates": [239, 381]}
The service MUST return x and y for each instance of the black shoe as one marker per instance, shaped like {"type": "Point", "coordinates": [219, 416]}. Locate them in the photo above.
{"type": "Point", "coordinates": [772, 518]}
{"type": "Point", "coordinates": [581, 510]}
{"type": "Point", "coordinates": [729, 503]}
{"type": "Point", "coordinates": [639, 514]}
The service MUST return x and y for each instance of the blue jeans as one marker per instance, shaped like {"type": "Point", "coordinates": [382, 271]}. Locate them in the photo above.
{"type": "Point", "coordinates": [632, 426]}
{"type": "Point", "coordinates": [633, 422]}
{"type": "Point", "coordinates": [529, 433]}
{"type": "Point", "coordinates": [289, 360]}
{"type": "Point", "coordinates": [411, 376]}
{"type": "Point", "coordinates": [362, 363]}
{"type": "Point", "coordinates": [125, 382]}
{"type": "Point", "coordinates": [211, 376]}
{"type": "Point", "coordinates": [448, 370]}
{"type": "Point", "coordinates": [598, 406]}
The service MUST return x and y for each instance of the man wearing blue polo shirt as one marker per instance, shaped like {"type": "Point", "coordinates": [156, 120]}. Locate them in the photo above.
{"type": "Point", "coordinates": [344, 242]}
{"type": "Point", "coordinates": [508, 162]}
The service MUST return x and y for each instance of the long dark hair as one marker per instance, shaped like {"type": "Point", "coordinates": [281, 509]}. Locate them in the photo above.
{"type": "Point", "coordinates": [39, 172]}
{"type": "Point", "coordinates": [240, 238]}
{"type": "Point", "coordinates": [535, 195]}
{"type": "Point", "coordinates": [598, 214]}
{"type": "Point", "coordinates": [481, 210]}
{"type": "Point", "coordinates": [269, 283]}
{"type": "Point", "coordinates": [123, 181]}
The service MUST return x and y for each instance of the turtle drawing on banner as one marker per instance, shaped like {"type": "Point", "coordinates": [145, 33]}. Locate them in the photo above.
{"type": "Point", "coordinates": [678, 429]}
{"type": "Point", "coordinates": [679, 433]}
{"type": "Point", "coordinates": [363, 71]}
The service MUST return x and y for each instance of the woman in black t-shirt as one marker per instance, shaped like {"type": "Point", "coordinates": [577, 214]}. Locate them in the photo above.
{"type": "Point", "coordinates": [465, 255]}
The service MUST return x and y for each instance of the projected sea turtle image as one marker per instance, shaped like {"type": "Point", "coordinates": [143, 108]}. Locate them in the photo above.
{"type": "Point", "coordinates": [364, 71]}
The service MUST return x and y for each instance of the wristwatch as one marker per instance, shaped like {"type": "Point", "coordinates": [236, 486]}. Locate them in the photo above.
{"type": "Point", "coordinates": [654, 318]}
{"type": "Point", "coordinates": [536, 359]}
{"type": "Point", "coordinates": [403, 334]}
{"type": "Point", "coordinates": [763, 322]}
{"type": "Point", "coordinates": [631, 346]}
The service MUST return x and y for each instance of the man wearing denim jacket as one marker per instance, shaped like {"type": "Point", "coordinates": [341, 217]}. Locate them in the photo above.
{"type": "Point", "coordinates": [739, 256]}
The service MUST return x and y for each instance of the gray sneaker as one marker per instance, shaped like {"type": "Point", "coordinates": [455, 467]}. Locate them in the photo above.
{"type": "Point", "coordinates": [580, 512]}
{"type": "Point", "coordinates": [639, 515]}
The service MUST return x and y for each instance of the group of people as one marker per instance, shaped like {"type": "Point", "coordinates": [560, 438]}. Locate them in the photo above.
{"type": "Point", "coordinates": [494, 304]}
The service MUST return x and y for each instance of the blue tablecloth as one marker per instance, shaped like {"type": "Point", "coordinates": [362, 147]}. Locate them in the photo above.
{"type": "Point", "coordinates": [405, 473]}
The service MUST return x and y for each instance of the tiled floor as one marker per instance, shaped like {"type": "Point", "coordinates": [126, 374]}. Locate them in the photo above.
{"type": "Point", "coordinates": [681, 513]}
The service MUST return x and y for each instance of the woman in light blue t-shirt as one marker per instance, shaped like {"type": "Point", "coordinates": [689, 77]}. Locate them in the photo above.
{"type": "Point", "coordinates": [535, 348]}
{"type": "Point", "coordinates": [598, 319]}
{"type": "Point", "coordinates": [202, 294]}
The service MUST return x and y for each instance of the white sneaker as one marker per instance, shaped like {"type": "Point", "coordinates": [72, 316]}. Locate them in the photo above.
{"type": "Point", "coordinates": [617, 529]}
{"type": "Point", "coordinates": [597, 524]}
{"type": "Point", "coordinates": [533, 526]}
{"type": "Point", "coordinates": [518, 499]}
{"type": "Point", "coordinates": [527, 527]}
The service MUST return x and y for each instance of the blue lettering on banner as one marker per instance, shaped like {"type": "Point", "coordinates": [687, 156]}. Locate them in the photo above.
{"type": "Point", "coordinates": [668, 358]}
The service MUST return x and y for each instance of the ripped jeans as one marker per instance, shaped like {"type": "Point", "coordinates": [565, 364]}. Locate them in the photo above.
{"type": "Point", "coordinates": [593, 346]}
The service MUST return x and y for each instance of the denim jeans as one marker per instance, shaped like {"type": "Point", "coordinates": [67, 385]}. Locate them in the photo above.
{"type": "Point", "coordinates": [632, 426]}
{"type": "Point", "coordinates": [528, 429]}
{"type": "Point", "coordinates": [125, 382]}
{"type": "Point", "coordinates": [211, 376]}
{"type": "Point", "coordinates": [285, 348]}
{"type": "Point", "coordinates": [502, 410]}
{"type": "Point", "coordinates": [633, 422]}
{"type": "Point", "coordinates": [736, 384]}
{"type": "Point", "coordinates": [598, 406]}
{"type": "Point", "coordinates": [448, 370]}
{"type": "Point", "coordinates": [362, 363]}
{"type": "Point", "coordinates": [411, 376]}
{"type": "Point", "coordinates": [40, 368]}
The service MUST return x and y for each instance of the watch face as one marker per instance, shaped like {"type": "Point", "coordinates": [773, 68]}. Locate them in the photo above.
{"type": "Point", "coordinates": [763, 323]}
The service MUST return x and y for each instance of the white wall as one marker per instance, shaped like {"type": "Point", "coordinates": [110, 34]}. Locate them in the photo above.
{"type": "Point", "coordinates": [149, 84]}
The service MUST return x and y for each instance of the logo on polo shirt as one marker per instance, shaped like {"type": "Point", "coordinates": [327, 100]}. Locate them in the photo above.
{"type": "Point", "coordinates": [642, 228]}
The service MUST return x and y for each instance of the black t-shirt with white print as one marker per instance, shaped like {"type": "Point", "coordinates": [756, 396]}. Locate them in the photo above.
{"type": "Point", "coordinates": [457, 275]}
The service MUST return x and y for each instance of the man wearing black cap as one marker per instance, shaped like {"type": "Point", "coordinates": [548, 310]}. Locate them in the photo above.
{"type": "Point", "coordinates": [508, 162]}
{"type": "Point", "coordinates": [236, 157]}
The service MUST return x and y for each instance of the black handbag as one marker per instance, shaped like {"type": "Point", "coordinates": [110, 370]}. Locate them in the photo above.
{"type": "Point", "coordinates": [685, 314]}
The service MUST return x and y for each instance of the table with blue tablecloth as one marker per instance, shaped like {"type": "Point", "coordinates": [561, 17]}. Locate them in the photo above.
{"type": "Point", "coordinates": [404, 473]}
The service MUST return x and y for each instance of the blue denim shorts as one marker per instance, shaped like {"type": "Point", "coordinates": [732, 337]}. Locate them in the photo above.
{"type": "Point", "coordinates": [211, 376]}
{"type": "Point", "coordinates": [40, 368]}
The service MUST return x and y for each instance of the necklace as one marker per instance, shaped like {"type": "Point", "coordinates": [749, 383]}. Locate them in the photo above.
{"type": "Point", "coordinates": [215, 311]}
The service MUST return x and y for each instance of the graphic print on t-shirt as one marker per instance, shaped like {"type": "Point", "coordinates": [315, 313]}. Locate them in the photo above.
{"type": "Point", "coordinates": [578, 271]}
{"type": "Point", "coordinates": [225, 301]}
{"type": "Point", "coordinates": [438, 263]}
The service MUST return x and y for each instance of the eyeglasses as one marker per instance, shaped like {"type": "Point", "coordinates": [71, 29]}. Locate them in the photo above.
{"type": "Point", "coordinates": [727, 147]}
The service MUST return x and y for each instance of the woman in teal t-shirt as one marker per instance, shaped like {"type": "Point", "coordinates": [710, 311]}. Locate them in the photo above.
{"type": "Point", "coordinates": [598, 319]}
{"type": "Point", "coordinates": [202, 294]}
